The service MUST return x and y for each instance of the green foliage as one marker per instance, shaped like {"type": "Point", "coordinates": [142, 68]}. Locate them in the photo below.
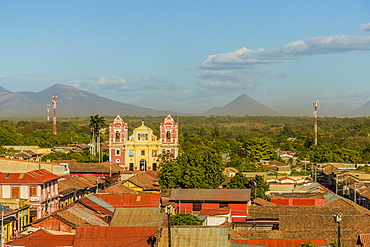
{"type": "Point", "coordinates": [363, 168]}
{"type": "Point", "coordinates": [258, 185]}
{"type": "Point", "coordinates": [191, 169]}
{"type": "Point", "coordinates": [184, 219]}
{"type": "Point", "coordinates": [299, 173]}
{"type": "Point", "coordinates": [309, 244]}
{"type": "Point", "coordinates": [258, 149]}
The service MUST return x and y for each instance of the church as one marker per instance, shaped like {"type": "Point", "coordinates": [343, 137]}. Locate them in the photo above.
{"type": "Point", "coordinates": [139, 152]}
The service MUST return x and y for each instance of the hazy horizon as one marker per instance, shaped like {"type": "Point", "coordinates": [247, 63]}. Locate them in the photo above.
{"type": "Point", "coordinates": [191, 56]}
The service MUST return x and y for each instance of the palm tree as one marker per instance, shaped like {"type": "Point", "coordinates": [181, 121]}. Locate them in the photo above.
{"type": "Point", "coordinates": [96, 124]}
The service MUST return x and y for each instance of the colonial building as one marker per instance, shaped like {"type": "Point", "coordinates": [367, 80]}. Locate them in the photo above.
{"type": "Point", "coordinates": [140, 151]}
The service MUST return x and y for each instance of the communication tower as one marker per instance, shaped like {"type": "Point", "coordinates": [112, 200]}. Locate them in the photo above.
{"type": "Point", "coordinates": [316, 106]}
{"type": "Point", "coordinates": [55, 101]}
{"type": "Point", "coordinates": [48, 112]}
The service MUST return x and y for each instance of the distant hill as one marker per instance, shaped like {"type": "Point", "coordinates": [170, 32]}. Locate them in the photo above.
{"type": "Point", "coordinates": [241, 106]}
{"type": "Point", "coordinates": [71, 102]}
{"type": "Point", "coordinates": [362, 111]}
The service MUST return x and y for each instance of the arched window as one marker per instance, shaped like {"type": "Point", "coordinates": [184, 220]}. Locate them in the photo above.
{"type": "Point", "coordinates": [117, 135]}
{"type": "Point", "coordinates": [168, 134]}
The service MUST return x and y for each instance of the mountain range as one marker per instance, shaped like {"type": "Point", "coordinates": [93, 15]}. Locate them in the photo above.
{"type": "Point", "coordinates": [74, 102]}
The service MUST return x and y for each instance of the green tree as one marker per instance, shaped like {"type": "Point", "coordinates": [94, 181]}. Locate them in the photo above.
{"type": "Point", "coordinates": [96, 124]}
{"type": "Point", "coordinates": [258, 149]}
{"type": "Point", "coordinates": [184, 219]}
{"type": "Point", "coordinates": [191, 169]}
{"type": "Point", "coordinates": [258, 185]}
{"type": "Point", "coordinates": [308, 244]}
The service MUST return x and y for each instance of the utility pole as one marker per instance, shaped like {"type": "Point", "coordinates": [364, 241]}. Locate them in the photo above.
{"type": "Point", "coordinates": [338, 219]}
{"type": "Point", "coordinates": [169, 210]}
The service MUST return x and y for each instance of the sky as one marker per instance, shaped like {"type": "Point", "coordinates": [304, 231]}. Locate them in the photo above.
{"type": "Point", "coordinates": [190, 56]}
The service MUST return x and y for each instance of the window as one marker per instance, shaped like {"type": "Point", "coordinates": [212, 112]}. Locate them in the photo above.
{"type": "Point", "coordinates": [117, 135]}
{"type": "Point", "coordinates": [117, 152]}
{"type": "Point", "coordinates": [224, 205]}
{"type": "Point", "coordinates": [197, 206]}
{"type": "Point", "coordinates": [118, 161]}
{"type": "Point", "coordinates": [142, 152]}
{"type": "Point", "coordinates": [15, 192]}
{"type": "Point", "coordinates": [168, 135]}
{"type": "Point", "coordinates": [154, 153]}
{"type": "Point", "coordinates": [131, 166]}
{"type": "Point", "coordinates": [33, 191]}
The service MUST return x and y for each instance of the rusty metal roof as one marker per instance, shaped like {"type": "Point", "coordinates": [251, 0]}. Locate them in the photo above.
{"type": "Point", "coordinates": [42, 238]}
{"type": "Point", "coordinates": [216, 195]}
{"type": "Point", "coordinates": [195, 236]}
{"type": "Point", "coordinates": [131, 200]}
{"type": "Point", "coordinates": [100, 236]}
{"type": "Point", "coordinates": [364, 240]}
{"type": "Point", "coordinates": [33, 177]}
{"type": "Point", "coordinates": [143, 217]}
{"type": "Point", "coordinates": [279, 243]}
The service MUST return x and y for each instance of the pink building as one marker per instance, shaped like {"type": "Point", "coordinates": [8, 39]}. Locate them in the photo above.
{"type": "Point", "coordinates": [195, 200]}
{"type": "Point", "coordinates": [40, 187]}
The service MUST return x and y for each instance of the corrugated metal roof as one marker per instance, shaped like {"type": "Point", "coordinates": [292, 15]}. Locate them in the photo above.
{"type": "Point", "coordinates": [132, 200]}
{"type": "Point", "coordinates": [195, 237]}
{"type": "Point", "coordinates": [100, 202]}
{"type": "Point", "coordinates": [88, 236]}
{"type": "Point", "coordinates": [143, 217]}
{"type": "Point", "coordinates": [229, 195]}
{"type": "Point", "coordinates": [32, 177]}
{"type": "Point", "coordinates": [41, 238]}
{"type": "Point", "coordinates": [364, 240]}
{"type": "Point", "coordinates": [87, 215]}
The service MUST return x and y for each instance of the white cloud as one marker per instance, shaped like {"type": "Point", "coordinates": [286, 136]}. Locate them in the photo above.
{"type": "Point", "coordinates": [365, 27]}
{"type": "Point", "coordinates": [242, 68]}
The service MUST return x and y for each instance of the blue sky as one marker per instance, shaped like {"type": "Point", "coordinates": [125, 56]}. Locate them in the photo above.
{"type": "Point", "coordinates": [189, 56]}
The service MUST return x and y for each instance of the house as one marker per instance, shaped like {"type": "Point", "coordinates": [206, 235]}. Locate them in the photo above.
{"type": "Point", "coordinates": [297, 199]}
{"type": "Point", "coordinates": [139, 152]}
{"type": "Point", "coordinates": [40, 187]}
{"type": "Point", "coordinates": [69, 218]}
{"type": "Point", "coordinates": [117, 189]}
{"type": "Point", "coordinates": [138, 217]}
{"type": "Point", "coordinates": [132, 200]}
{"type": "Point", "coordinates": [143, 182]}
{"type": "Point", "coordinates": [71, 189]}
{"type": "Point", "coordinates": [8, 218]}
{"type": "Point", "coordinates": [114, 236]}
{"type": "Point", "coordinates": [43, 238]}
{"type": "Point", "coordinates": [195, 200]}
{"type": "Point", "coordinates": [104, 169]}
{"type": "Point", "coordinates": [195, 236]}
{"type": "Point", "coordinates": [21, 207]}
{"type": "Point", "coordinates": [363, 240]}
{"type": "Point", "coordinates": [8, 165]}
{"type": "Point", "coordinates": [98, 205]}
{"type": "Point", "coordinates": [215, 216]}
{"type": "Point", "coordinates": [305, 222]}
